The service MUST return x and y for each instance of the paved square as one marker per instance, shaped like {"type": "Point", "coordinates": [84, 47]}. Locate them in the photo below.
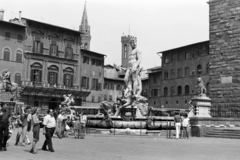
{"type": "Point", "coordinates": [101, 147]}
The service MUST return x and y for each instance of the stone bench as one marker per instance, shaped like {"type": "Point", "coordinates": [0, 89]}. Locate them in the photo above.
{"type": "Point", "coordinates": [154, 133]}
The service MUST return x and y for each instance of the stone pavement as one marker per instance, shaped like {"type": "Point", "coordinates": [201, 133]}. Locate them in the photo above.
{"type": "Point", "coordinates": [104, 147]}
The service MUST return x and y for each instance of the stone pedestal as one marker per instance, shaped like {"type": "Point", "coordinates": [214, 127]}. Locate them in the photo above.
{"type": "Point", "coordinates": [202, 105]}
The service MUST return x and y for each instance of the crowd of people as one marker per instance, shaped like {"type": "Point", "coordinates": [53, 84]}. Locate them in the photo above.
{"type": "Point", "coordinates": [57, 122]}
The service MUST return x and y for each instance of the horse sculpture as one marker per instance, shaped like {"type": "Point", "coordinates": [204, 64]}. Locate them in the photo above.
{"type": "Point", "coordinates": [9, 87]}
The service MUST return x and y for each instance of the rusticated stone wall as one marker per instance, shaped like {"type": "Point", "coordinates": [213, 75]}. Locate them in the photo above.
{"type": "Point", "coordinates": [224, 47]}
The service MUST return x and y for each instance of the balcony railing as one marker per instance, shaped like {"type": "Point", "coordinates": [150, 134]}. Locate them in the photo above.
{"type": "Point", "coordinates": [47, 85]}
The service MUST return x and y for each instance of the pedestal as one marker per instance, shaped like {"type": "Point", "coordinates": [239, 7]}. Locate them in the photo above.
{"type": "Point", "coordinates": [202, 106]}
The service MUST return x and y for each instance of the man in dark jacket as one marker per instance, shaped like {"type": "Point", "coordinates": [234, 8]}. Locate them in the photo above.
{"type": "Point", "coordinates": [4, 124]}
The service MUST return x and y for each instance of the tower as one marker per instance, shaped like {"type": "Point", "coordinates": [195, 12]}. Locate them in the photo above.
{"type": "Point", "coordinates": [126, 49]}
{"type": "Point", "coordinates": [84, 28]}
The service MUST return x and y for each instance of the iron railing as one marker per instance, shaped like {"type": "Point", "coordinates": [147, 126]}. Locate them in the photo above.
{"type": "Point", "coordinates": [225, 110]}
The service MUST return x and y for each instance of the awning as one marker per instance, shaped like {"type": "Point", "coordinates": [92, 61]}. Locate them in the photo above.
{"type": "Point", "coordinates": [53, 92]}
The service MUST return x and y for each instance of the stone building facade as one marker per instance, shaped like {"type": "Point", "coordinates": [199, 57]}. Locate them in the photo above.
{"type": "Point", "coordinates": [12, 50]}
{"type": "Point", "coordinates": [51, 64]}
{"type": "Point", "coordinates": [92, 76]}
{"type": "Point", "coordinates": [180, 70]}
{"type": "Point", "coordinates": [154, 86]}
{"type": "Point", "coordinates": [224, 50]}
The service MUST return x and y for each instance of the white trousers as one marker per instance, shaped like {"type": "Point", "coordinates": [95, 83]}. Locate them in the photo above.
{"type": "Point", "coordinates": [177, 125]}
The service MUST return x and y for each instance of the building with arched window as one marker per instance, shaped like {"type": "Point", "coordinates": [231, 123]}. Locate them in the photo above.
{"type": "Point", "coordinates": [190, 63]}
{"type": "Point", "coordinates": [11, 46]}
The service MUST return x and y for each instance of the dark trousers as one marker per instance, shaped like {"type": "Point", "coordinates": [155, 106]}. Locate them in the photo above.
{"type": "Point", "coordinates": [48, 140]}
{"type": "Point", "coordinates": [186, 132]}
{"type": "Point", "coordinates": [3, 136]}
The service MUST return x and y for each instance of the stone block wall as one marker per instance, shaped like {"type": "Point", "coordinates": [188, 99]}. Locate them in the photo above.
{"type": "Point", "coordinates": [224, 47]}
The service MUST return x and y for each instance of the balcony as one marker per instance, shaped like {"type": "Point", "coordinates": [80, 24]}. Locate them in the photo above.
{"type": "Point", "coordinates": [49, 90]}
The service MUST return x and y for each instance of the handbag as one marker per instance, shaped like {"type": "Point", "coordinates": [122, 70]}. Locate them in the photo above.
{"type": "Point", "coordinates": [67, 127]}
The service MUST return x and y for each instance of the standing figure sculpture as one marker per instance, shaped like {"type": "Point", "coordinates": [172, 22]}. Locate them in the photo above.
{"type": "Point", "coordinates": [132, 76]}
{"type": "Point", "coordinates": [7, 85]}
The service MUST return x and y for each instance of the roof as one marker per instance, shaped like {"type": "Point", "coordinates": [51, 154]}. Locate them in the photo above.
{"type": "Point", "coordinates": [11, 23]}
{"type": "Point", "coordinates": [155, 68]}
{"type": "Point", "coordinates": [93, 52]}
{"type": "Point", "coordinates": [53, 25]}
{"type": "Point", "coordinates": [117, 79]}
{"type": "Point", "coordinates": [183, 46]}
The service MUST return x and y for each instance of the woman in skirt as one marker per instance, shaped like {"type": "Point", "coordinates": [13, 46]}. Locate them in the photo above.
{"type": "Point", "coordinates": [36, 130]}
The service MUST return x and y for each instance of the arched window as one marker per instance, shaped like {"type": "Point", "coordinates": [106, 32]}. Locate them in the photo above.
{"type": "Point", "coordinates": [172, 90]}
{"type": "Point", "coordinates": [186, 72]}
{"type": "Point", "coordinates": [172, 73]}
{"type": "Point", "coordinates": [199, 69]}
{"type": "Point", "coordinates": [186, 89]}
{"type": "Point", "coordinates": [53, 75]}
{"type": "Point", "coordinates": [179, 88]}
{"type": "Point", "coordinates": [6, 54]}
{"type": "Point", "coordinates": [179, 72]}
{"type": "Point", "coordinates": [165, 74]}
{"type": "Point", "coordinates": [18, 78]}
{"type": "Point", "coordinates": [36, 73]}
{"type": "Point", "coordinates": [165, 91]}
{"type": "Point", "coordinates": [208, 88]}
{"type": "Point", "coordinates": [125, 51]}
{"type": "Point", "coordinates": [68, 77]}
{"type": "Point", "coordinates": [19, 56]}
{"type": "Point", "coordinates": [207, 68]}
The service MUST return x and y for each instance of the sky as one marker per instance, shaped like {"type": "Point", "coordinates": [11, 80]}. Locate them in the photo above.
{"type": "Point", "coordinates": [159, 25]}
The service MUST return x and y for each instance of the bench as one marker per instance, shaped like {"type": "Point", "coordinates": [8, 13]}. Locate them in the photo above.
{"type": "Point", "coordinates": [154, 133]}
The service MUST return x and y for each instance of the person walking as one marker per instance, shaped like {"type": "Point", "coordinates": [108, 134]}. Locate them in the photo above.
{"type": "Point", "coordinates": [4, 124]}
{"type": "Point", "coordinates": [36, 130]}
{"type": "Point", "coordinates": [185, 124]}
{"type": "Point", "coordinates": [177, 120]}
{"type": "Point", "coordinates": [49, 123]}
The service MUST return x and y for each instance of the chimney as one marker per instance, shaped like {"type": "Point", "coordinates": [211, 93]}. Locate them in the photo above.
{"type": "Point", "coordinates": [20, 15]}
{"type": "Point", "coordinates": [1, 14]}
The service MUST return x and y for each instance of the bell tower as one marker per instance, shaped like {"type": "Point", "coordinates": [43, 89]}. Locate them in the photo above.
{"type": "Point", "coordinates": [84, 28]}
{"type": "Point", "coordinates": [126, 49]}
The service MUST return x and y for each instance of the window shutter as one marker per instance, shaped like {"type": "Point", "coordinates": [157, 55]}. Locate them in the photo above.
{"type": "Point", "coordinates": [87, 82]}
{"type": "Point", "coordinates": [41, 47]}
{"type": "Point", "coordinates": [56, 78]}
{"type": "Point", "coordinates": [57, 51]}
{"type": "Point", "coordinates": [51, 49]}
{"type": "Point", "coordinates": [65, 52]}
{"type": "Point", "coordinates": [71, 81]}
{"type": "Point", "coordinates": [40, 76]}
{"type": "Point", "coordinates": [49, 77]}
{"type": "Point", "coordinates": [32, 74]}
{"type": "Point", "coordinates": [64, 79]}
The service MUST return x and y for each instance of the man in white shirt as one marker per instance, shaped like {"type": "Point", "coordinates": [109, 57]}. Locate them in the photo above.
{"type": "Point", "coordinates": [49, 123]}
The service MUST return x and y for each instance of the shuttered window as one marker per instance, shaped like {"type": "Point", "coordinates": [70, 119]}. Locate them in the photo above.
{"type": "Point", "coordinates": [36, 76]}
{"type": "Point", "coordinates": [19, 56]}
{"type": "Point", "coordinates": [68, 80]}
{"type": "Point", "coordinates": [6, 54]}
{"type": "Point", "coordinates": [52, 78]}
{"type": "Point", "coordinates": [18, 79]}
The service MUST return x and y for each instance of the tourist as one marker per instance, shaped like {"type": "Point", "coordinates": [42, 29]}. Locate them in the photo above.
{"type": "Point", "coordinates": [185, 124]}
{"type": "Point", "coordinates": [29, 121]}
{"type": "Point", "coordinates": [24, 119]}
{"type": "Point", "coordinates": [36, 130]}
{"type": "Point", "coordinates": [11, 126]}
{"type": "Point", "coordinates": [76, 126]}
{"type": "Point", "coordinates": [60, 125]}
{"type": "Point", "coordinates": [83, 121]}
{"type": "Point", "coordinates": [177, 120]}
{"type": "Point", "coordinates": [19, 128]}
{"type": "Point", "coordinates": [49, 123]}
{"type": "Point", "coordinates": [4, 124]}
